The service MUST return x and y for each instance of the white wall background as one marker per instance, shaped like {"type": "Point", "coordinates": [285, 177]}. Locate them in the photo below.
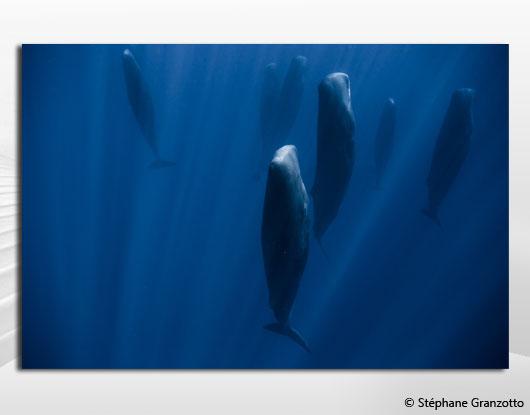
{"type": "Point", "coordinates": [276, 21]}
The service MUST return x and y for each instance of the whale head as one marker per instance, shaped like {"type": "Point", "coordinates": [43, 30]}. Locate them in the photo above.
{"type": "Point", "coordinates": [271, 67]}
{"type": "Point", "coordinates": [299, 65]}
{"type": "Point", "coordinates": [284, 163]}
{"type": "Point", "coordinates": [334, 102]}
{"type": "Point", "coordinates": [127, 56]}
{"type": "Point", "coordinates": [129, 61]}
{"type": "Point", "coordinates": [335, 88]}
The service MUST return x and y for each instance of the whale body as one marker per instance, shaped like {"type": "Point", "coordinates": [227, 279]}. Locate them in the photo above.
{"type": "Point", "coordinates": [450, 152]}
{"type": "Point", "coordinates": [285, 238]}
{"type": "Point", "coordinates": [384, 141]}
{"type": "Point", "coordinates": [291, 94]}
{"type": "Point", "coordinates": [278, 107]}
{"type": "Point", "coordinates": [335, 149]}
{"type": "Point", "coordinates": [142, 104]}
{"type": "Point", "coordinates": [270, 93]}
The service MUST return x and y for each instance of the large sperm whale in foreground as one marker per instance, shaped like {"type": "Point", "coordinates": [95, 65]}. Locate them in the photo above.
{"type": "Point", "coordinates": [450, 151]}
{"type": "Point", "coordinates": [335, 149]}
{"type": "Point", "coordinates": [384, 141]}
{"type": "Point", "coordinates": [285, 238]}
{"type": "Point", "coordinates": [142, 105]}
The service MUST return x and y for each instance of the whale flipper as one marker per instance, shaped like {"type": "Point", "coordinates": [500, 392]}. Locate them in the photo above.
{"type": "Point", "coordinates": [288, 331]}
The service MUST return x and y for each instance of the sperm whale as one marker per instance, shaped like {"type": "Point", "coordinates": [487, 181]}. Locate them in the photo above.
{"type": "Point", "coordinates": [270, 93]}
{"type": "Point", "coordinates": [450, 152]}
{"type": "Point", "coordinates": [285, 238]}
{"type": "Point", "coordinates": [142, 105]}
{"type": "Point", "coordinates": [335, 149]}
{"type": "Point", "coordinates": [291, 94]}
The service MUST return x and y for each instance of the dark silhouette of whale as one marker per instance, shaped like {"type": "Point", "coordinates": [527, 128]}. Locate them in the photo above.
{"type": "Point", "coordinates": [278, 107]}
{"type": "Point", "coordinates": [335, 149]}
{"type": "Point", "coordinates": [291, 96]}
{"type": "Point", "coordinates": [384, 141]}
{"type": "Point", "coordinates": [142, 105]}
{"type": "Point", "coordinates": [270, 93]}
{"type": "Point", "coordinates": [285, 238]}
{"type": "Point", "coordinates": [450, 152]}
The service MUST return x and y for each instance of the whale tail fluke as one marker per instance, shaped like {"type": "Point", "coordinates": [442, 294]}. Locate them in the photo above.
{"type": "Point", "coordinates": [431, 215]}
{"type": "Point", "coordinates": [159, 163]}
{"type": "Point", "coordinates": [288, 331]}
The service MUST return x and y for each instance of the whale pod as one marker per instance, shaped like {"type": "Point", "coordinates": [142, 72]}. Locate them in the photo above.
{"type": "Point", "coordinates": [335, 149]}
{"type": "Point", "coordinates": [285, 238]}
{"type": "Point", "coordinates": [142, 104]}
{"type": "Point", "coordinates": [384, 141]}
{"type": "Point", "coordinates": [450, 152]}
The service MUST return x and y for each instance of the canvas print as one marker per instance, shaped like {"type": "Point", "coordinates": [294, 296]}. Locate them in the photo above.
{"type": "Point", "coordinates": [269, 206]}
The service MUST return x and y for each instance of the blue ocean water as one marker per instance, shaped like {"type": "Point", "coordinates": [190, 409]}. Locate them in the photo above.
{"type": "Point", "coordinates": [124, 266]}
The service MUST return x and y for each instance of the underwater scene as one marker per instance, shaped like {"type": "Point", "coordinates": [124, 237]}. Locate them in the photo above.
{"type": "Point", "coordinates": [266, 206]}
